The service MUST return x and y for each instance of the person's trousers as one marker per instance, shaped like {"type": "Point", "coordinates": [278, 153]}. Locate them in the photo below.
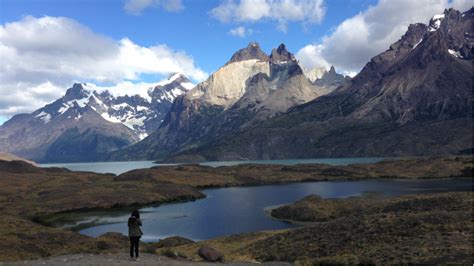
{"type": "Point", "coordinates": [134, 242]}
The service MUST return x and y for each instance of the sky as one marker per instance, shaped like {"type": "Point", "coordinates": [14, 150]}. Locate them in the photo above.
{"type": "Point", "coordinates": [47, 45]}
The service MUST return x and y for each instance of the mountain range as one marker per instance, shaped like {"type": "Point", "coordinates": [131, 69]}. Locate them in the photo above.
{"type": "Point", "coordinates": [413, 99]}
{"type": "Point", "coordinates": [88, 122]}
{"type": "Point", "coordinates": [250, 88]}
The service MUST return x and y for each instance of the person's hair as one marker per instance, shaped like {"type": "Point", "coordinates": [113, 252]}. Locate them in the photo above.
{"type": "Point", "coordinates": [136, 214]}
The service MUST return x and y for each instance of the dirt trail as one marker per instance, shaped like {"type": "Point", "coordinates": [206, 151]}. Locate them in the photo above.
{"type": "Point", "coordinates": [119, 259]}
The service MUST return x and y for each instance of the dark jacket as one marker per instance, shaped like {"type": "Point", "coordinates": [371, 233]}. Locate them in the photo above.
{"type": "Point", "coordinates": [134, 229]}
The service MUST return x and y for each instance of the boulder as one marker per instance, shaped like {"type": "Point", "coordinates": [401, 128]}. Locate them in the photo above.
{"type": "Point", "coordinates": [210, 254]}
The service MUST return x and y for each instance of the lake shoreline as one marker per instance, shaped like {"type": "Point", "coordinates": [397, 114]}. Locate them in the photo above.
{"type": "Point", "coordinates": [46, 191]}
{"type": "Point", "coordinates": [420, 229]}
{"type": "Point", "coordinates": [63, 223]}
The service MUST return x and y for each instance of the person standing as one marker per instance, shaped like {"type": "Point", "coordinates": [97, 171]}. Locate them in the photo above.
{"type": "Point", "coordinates": [134, 233]}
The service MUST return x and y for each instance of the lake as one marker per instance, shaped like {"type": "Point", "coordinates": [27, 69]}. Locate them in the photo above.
{"type": "Point", "coordinates": [234, 210]}
{"type": "Point", "coordinates": [122, 167]}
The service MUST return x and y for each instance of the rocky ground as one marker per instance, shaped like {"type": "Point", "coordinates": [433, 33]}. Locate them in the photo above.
{"type": "Point", "coordinates": [420, 229]}
{"type": "Point", "coordinates": [122, 259]}
{"type": "Point", "coordinates": [32, 198]}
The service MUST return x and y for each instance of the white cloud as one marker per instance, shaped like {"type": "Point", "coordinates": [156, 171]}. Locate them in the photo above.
{"type": "Point", "coordinates": [357, 39]}
{"type": "Point", "coordinates": [462, 5]}
{"type": "Point", "coordinates": [241, 32]}
{"type": "Point", "coordinates": [310, 57]}
{"type": "Point", "coordinates": [282, 11]}
{"type": "Point", "coordinates": [41, 57]}
{"type": "Point", "coordinates": [135, 7]}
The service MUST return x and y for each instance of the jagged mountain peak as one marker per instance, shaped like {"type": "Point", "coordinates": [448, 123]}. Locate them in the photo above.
{"type": "Point", "coordinates": [445, 21]}
{"type": "Point", "coordinates": [167, 90]}
{"type": "Point", "coordinates": [252, 51]}
{"type": "Point", "coordinates": [331, 78]}
{"type": "Point", "coordinates": [88, 114]}
{"type": "Point", "coordinates": [281, 55]}
{"type": "Point", "coordinates": [177, 76]}
{"type": "Point", "coordinates": [137, 112]}
{"type": "Point", "coordinates": [174, 80]}
{"type": "Point", "coordinates": [77, 91]}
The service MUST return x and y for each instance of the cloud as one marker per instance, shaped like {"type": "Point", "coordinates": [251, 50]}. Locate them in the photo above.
{"type": "Point", "coordinates": [281, 11]}
{"type": "Point", "coordinates": [462, 5]}
{"type": "Point", "coordinates": [310, 57]}
{"type": "Point", "coordinates": [241, 32]}
{"type": "Point", "coordinates": [135, 7]}
{"type": "Point", "coordinates": [357, 39]}
{"type": "Point", "coordinates": [41, 57]}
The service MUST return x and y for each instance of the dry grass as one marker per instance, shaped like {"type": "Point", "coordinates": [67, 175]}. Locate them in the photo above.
{"type": "Point", "coordinates": [27, 191]}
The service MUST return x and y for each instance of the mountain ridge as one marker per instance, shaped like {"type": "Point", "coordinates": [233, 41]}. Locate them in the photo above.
{"type": "Point", "coordinates": [413, 99]}
{"type": "Point", "coordinates": [249, 88]}
{"type": "Point", "coordinates": [88, 121]}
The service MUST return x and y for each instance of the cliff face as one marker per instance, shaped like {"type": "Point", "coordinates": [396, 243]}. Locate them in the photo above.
{"type": "Point", "coordinates": [413, 99]}
{"type": "Point", "coordinates": [227, 85]}
{"type": "Point", "coordinates": [250, 88]}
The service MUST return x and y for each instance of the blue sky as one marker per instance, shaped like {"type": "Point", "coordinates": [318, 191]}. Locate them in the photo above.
{"type": "Point", "coordinates": [191, 29]}
{"type": "Point", "coordinates": [46, 45]}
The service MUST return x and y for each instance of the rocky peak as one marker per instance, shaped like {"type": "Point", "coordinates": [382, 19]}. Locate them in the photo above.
{"type": "Point", "coordinates": [332, 70]}
{"type": "Point", "coordinates": [252, 51]}
{"type": "Point", "coordinates": [397, 50]}
{"type": "Point", "coordinates": [413, 36]}
{"type": "Point", "coordinates": [77, 91]}
{"type": "Point", "coordinates": [283, 63]}
{"type": "Point", "coordinates": [281, 55]}
{"type": "Point", "coordinates": [451, 34]}
{"type": "Point", "coordinates": [166, 91]}
{"type": "Point", "coordinates": [446, 20]}
{"type": "Point", "coordinates": [331, 78]}
{"type": "Point", "coordinates": [173, 81]}
{"type": "Point", "coordinates": [177, 77]}
{"type": "Point", "coordinates": [452, 14]}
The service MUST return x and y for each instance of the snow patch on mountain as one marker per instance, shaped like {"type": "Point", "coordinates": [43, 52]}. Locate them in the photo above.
{"type": "Point", "coordinates": [45, 117]}
{"type": "Point", "coordinates": [416, 44]}
{"type": "Point", "coordinates": [456, 54]}
{"type": "Point", "coordinates": [435, 22]}
{"type": "Point", "coordinates": [140, 108]}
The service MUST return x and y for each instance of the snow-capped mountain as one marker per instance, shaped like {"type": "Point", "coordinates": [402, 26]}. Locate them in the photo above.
{"type": "Point", "coordinates": [141, 113]}
{"type": "Point", "coordinates": [101, 119]}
